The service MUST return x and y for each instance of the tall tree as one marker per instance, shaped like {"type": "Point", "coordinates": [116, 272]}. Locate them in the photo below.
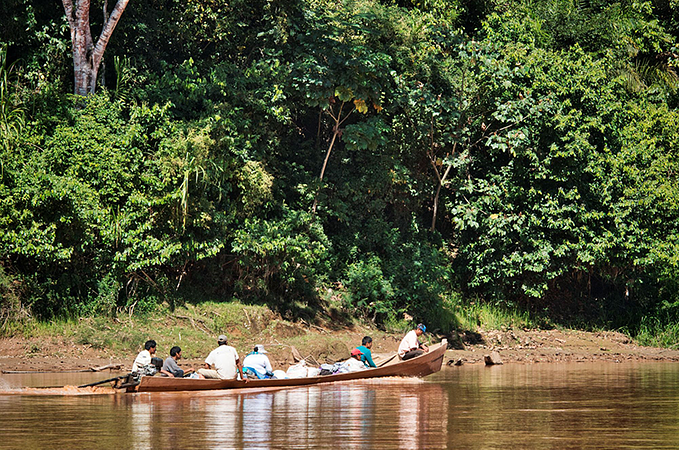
{"type": "Point", "coordinates": [87, 54]}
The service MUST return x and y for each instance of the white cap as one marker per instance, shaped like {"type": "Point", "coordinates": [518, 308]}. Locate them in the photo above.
{"type": "Point", "coordinates": [260, 348]}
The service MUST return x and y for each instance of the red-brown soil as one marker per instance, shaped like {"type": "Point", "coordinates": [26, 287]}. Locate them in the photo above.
{"type": "Point", "coordinates": [514, 346]}
{"type": "Point", "coordinates": [545, 346]}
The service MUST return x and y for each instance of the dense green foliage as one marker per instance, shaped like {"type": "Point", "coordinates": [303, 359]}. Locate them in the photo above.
{"type": "Point", "coordinates": [385, 155]}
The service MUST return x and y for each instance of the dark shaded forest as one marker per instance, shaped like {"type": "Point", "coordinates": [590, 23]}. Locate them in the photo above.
{"type": "Point", "coordinates": [369, 157]}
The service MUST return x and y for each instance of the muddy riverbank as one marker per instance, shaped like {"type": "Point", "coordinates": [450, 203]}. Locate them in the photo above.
{"type": "Point", "coordinates": [318, 346]}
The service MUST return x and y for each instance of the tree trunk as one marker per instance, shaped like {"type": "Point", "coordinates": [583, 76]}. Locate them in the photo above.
{"type": "Point", "coordinates": [325, 163]}
{"type": "Point", "coordinates": [441, 182]}
{"type": "Point", "coordinates": [86, 54]}
{"type": "Point", "coordinates": [335, 133]}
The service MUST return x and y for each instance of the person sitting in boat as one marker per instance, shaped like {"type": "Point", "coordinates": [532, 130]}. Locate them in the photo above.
{"type": "Point", "coordinates": [171, 368]}
{"type": "Point", "coordinates": [144, 363]}
{"type": "Point", "coordinates": [366, 354]}
{"type": "Point", "coordinates": [410, 346]}
{"type": "Point", "coordinates": [257, 365]}
{"type": "Point", "coordinates": [222, 362]}
{"type": "Point", "coordinates": [353, 364]}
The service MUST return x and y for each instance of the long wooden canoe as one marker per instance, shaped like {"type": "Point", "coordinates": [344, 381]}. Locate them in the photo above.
{"type": "Point", "coordinates": [420, 366]}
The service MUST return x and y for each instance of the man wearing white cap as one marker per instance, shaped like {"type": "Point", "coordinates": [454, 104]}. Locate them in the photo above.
{"type": "Point", "coordinates": [222, 362]}
{"type": "Point", "coordinates": [258, 363]}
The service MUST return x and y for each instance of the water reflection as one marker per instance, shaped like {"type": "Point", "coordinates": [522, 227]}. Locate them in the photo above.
{"type": "Point", "coordinates": [408, 421]}
{"type": "Point", "coordinates": [531, 407]}
{"type": "Point", "coordinates": [566, 406]}
{"type": "Point", "coordinates": [257, 418]}
{"type": "Point", "coordinates": [142, 419]}
{"type": "Point", "coordinates": [356, 415]}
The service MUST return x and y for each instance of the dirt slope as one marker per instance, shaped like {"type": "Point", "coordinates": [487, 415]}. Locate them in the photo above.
{"type": "Point", "coordinates": [539, 346]}
{"type": "Point", "coordinates": [514, 346]}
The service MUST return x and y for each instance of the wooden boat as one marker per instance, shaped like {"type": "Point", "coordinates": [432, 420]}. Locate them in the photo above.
{"type": "Point", "coordinates": [420, 366]}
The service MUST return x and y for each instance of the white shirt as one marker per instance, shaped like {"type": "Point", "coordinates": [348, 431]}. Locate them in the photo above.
{"type": "Point", "coordinates": [142, 359]}
{"type": "Point", "coordinates": [259, 362]}
{"type": "Point", "coordinates": [224, 359]}
{"type": "Point", "coordinates": [351, 365]}
{"type": "Point", "coordinates": [408, 343]}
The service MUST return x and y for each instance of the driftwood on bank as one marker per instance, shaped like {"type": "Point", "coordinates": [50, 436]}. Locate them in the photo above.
{"type": "Point", "coordinates": [492, 359]}
{"type": "Point", "coordinates": [296, 356]}
{"type": "Point", "coordinates": [106, 367]}
{"type": "Point", "coordinates": [91, 369]}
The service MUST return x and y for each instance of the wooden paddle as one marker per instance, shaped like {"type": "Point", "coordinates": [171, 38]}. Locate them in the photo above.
{"type": "Point", "coordinates": [383, 363]}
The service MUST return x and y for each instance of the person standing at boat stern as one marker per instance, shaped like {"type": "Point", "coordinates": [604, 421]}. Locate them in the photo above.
{"type": "Point", "coordinates": [222, 362]}
{"type": "Point", "coordinates": [366, 355]}
{"type": "Point", "coordinates": [410, 346]}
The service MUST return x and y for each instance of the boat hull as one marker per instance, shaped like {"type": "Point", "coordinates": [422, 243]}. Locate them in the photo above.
{"type": "Point", "coordinates": [420, 366]}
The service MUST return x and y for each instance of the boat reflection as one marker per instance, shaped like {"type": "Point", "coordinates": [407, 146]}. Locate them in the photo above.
{"type": "Point", "coordinates": [142, 419]}
{"type": "Point", "coordinates": [257, 419]}
{"type": "Point", "coordinates": [393, 413]}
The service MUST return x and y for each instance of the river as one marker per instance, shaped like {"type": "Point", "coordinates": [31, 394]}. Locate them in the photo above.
{"type": "Point", "coordinates": [538, 406]}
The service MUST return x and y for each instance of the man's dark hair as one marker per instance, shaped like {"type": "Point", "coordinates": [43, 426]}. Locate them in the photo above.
{"type": "Point", "coordinates": [366, 340]}
{"type": "Point", "coordinates": [174, 350]}
{"type": "Point", "coordinates": [149, 344]}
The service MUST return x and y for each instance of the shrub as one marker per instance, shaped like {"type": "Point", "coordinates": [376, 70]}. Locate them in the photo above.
{"type": "Point", "coordinates": [368, 292]}
{"type": "Point", "coordinates": [280, 258]}
{"type": "Point", "coordinates": [11, 308]}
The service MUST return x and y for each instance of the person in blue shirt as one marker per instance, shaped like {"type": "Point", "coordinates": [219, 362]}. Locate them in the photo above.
{"type": "Point", "coordinates": [365, 347]}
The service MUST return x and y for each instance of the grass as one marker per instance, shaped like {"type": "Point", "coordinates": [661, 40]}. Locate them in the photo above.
{"type": "Point", "coordinates": [193, 328]}
{"type": "Point", "coordinates": [654, 333]}
{"type": "Point", "coordinates": [477, 315]}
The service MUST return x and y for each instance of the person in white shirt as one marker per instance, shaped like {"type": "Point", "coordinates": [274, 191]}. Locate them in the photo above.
{"type": "Point", "coordinates": [353, 364]}
{"type": "Point", "coordinates": [222, 362]}
{"type": "Point", "coordinates": [145, 356]}
{"type": "Point", "coordinates": [410, 346]}
{"type": "Point", "coordinates": [258, 362]}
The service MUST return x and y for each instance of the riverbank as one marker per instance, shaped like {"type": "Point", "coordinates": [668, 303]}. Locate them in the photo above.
{"type": "Point", "coordinates": [94, 343]}
{"type": "Point", "coordinates": [553, 346]}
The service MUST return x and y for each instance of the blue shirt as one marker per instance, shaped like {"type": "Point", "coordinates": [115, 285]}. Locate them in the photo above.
{"type": "Point", "coordinates": [366, 357]}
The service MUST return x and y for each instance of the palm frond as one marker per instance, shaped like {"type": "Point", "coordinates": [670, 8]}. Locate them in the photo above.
{"type": "Point", "coordinates": [11, 112]}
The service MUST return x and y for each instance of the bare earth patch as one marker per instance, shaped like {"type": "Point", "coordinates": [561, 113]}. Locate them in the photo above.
{"type": "Point", "coordinates": [545, 346]}
{"type": "Point", "coordinates": [319, 346]}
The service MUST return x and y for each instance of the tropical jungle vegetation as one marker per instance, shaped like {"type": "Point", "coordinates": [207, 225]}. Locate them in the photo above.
{"type": "Point", "coordinates": [373, 157]}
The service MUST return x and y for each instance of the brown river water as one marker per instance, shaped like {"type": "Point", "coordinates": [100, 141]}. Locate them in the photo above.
{"type": "Point", "coordinates": [538, 406]}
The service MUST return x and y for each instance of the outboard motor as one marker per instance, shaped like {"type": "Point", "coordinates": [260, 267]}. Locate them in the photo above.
{"type": "Point", "coordinates": [157, 363]}
{"type": "Point", "coordinates": [132, 379]}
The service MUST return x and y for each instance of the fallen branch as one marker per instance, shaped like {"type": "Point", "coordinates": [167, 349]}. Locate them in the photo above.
{"type": "Point", "coordinates": [107, 366]}
{"type": "Point", "coordinates": [189, 318]}
{"type": "Point", "coordinates": [296, 355]}
{"type": "Point", "coordinates": [248, 317]}
{"type": "Point", "coordinates": [43, 371]}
